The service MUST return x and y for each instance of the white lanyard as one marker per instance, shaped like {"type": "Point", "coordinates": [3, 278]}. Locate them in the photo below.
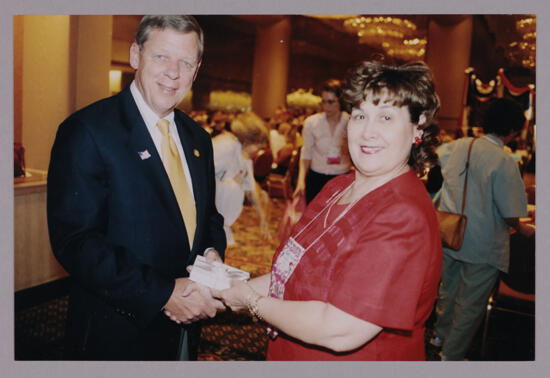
{"type": "Point", "coordinates": [292, 252]}
{"type": "Point", "coordinates": [330, 202]}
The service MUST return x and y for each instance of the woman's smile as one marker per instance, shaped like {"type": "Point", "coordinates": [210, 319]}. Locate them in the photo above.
{"type": "Point", "coordinates": [371, 150]}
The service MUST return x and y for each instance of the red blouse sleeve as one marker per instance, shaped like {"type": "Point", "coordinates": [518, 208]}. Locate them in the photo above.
{"type": "Point", "coordinates": [380, 278]}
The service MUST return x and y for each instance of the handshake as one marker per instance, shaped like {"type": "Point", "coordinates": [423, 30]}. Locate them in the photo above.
{"type": "Point", "coordinates": [192, 298]}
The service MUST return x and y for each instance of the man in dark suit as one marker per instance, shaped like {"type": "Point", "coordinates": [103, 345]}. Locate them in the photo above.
{"type": "Point", "coordinates": [131, 203]}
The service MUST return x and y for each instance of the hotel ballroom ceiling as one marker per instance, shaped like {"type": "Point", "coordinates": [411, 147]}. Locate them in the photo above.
{"type": "Point", "coordinates": [324, 35]}
{"type": "Point", "coordinates": [323, 42]}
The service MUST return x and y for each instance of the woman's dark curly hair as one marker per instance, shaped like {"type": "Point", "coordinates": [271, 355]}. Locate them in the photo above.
{"type": "Point", "coordinates": [409, 85]}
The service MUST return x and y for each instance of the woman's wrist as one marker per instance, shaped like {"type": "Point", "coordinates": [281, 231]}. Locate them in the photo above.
{"type": "Point", "coordinates": [252, 302]}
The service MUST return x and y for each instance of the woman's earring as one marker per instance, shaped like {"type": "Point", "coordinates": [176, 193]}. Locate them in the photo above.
{"type": "Point", "coordinates": [417, 141]}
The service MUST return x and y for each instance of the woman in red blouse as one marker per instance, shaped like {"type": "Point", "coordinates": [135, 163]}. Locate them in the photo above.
{"type": "Point", "coordinates": [358, 277]}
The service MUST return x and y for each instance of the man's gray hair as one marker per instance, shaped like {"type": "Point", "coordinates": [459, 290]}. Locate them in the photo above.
{"type": "Point", "coordinates": [182, 23]}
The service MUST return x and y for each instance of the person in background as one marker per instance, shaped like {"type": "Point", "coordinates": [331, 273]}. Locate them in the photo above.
{"type": "Point", "coordinates": [219, 122]}
{"type": "Point", "coordinates": [233, 154]}
{"type": "Point", "coordinates": [131, 203]}
{"type": "Point", "coordinates": [295, 135]}
{"type": "Point", "coordinates": [290, 142]}
{"type": "Point", "coordinates": [358, 277]}
{"type": "Point", "coordinates": [324, 154]}
{"type": "Point", "coordinates": [278, 138]}
{"type": "Point", "coordinates": [495, 201]}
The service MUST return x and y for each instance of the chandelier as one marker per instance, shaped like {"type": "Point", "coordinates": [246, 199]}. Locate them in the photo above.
{"type": "Point", "coordinates": [527, 25]}
{"type": "Point", "coordinates": [524, 52]}
{"type": "Point", "coordinates": [408, 49]}
{"type": "Point", "coordinates": [393, 34]}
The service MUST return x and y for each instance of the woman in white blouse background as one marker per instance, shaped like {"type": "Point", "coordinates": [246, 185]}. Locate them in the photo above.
{"type": "Point", "coordinates": [325, 153]}
{"type": "Point", "coordinates": [233, 155]}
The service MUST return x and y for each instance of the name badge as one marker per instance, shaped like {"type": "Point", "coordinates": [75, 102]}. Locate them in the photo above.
{"type": "Point", "coordinates": [284, 266]}
{"type": "Point", "coordinates": [334, 156]}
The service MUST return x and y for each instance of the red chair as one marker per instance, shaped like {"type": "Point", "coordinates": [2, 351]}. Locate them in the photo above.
{"type": "Point", "coordinates": [283, 185]}
{"type": "Point", "coordinates": [262, 164]}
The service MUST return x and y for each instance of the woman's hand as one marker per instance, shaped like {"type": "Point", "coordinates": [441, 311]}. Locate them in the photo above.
{"type": "Point", "coordinates": [300, 189]}
{"type": "Point", "coordinates": [236, 297]}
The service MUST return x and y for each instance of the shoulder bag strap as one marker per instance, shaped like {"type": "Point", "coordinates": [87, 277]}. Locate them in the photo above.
{"type": "Point", "coordinates": [466, 178]}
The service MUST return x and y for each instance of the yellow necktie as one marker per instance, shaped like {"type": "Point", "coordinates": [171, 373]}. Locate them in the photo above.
{"type": "Point", "coordinates": [174, 169]}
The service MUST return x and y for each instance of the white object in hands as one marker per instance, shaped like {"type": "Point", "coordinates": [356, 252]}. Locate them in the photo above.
{"type": "Point", "coordinates": [216, 275]}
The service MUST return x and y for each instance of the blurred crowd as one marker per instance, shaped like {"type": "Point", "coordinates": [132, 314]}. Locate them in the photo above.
{"type": "Point", "coordinates": [284, 128]}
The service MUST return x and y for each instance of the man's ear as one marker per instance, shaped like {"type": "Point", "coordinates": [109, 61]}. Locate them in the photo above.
{"type": "Point", "coordinates": [134, 56]}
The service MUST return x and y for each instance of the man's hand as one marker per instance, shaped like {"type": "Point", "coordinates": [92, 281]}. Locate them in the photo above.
{"type": "Point", "coordinates": [191, 302]}
{"type": "Point", "coordinates": [524, 229]}
{"type": "Point", "coordinates": [527, 230]}
{"type": "Point", "coordinates": [212, 255]}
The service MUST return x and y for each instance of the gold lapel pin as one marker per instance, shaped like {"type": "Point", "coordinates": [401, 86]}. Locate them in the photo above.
{"type": "Point", "coordinates": [196, 152]}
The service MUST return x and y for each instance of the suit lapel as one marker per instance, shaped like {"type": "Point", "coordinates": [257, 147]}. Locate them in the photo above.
{"type": "Point", "coordinates": [192, 156]}
{"type": "Point", "coordinates": [147, 157]}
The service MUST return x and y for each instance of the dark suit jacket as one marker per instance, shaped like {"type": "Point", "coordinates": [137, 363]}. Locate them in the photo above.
{"type": "Point", "coordinates": [116, 227]}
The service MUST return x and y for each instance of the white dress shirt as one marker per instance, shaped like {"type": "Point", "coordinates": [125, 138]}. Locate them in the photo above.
{"type": "Point", "coordinates": [151, 119]}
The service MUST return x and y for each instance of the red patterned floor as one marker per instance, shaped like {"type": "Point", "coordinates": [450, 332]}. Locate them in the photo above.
{"type": "Point", "coordinates": [251, 252]}
{"type": "Point", "coordinates": [235, 336]}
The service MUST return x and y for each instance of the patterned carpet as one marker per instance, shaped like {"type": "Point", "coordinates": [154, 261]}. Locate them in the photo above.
{"type": "Point", "coordinates": [40, 329]}
{"type": "Point", "coordinates": [251, 252]}
{"type": "Point", "coordinates": [235, 336]}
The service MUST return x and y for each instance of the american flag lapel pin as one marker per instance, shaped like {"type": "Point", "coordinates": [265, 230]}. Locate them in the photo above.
{"type": "Point", "coordinates": [196, 152]}
{"type": "Point", "coordinates": [144, 154]}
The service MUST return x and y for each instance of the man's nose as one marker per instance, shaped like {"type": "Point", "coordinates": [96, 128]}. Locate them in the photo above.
{"type": "Point", "coordinates": [172, 70]}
